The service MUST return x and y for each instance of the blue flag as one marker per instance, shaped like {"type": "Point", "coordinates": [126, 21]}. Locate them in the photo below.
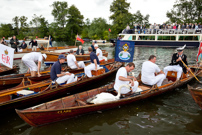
{"type": "Point", "coordinates": [124, 51]}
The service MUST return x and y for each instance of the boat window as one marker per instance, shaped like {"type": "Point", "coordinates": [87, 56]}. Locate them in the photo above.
{"type": "Point", "coordinates": [196, 38]}
{"type": "Point", "coordinates": [134, 38]}
{"type": "Point", "coordinates": [146, 38]}
{"type": "Point", "coordinates": [166, 38]}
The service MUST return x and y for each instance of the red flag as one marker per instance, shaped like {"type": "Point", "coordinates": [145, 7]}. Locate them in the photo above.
{"type": "Point", "coordinates": [79, 39]}
{"type": "Point", "coordinates": [199, 56]}
{"type": "Point", "coordinates": [109, 30]}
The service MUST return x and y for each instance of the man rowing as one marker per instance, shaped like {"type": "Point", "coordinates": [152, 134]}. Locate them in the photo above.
{"type": "Point", "coordinates": [72, 63]}
{"type": "Point", "coordinates": [151, 73]}
{"type": "Point", "coordinates": [29, 60]}
{"type": "Point", "coordinates": [57, 74]}
{"type": "Point", "coordinates": [94, 63]}
{"type": "Point", "coordinates": [123, 78]}
{"type": "Point", "coordinates": [176, 63]}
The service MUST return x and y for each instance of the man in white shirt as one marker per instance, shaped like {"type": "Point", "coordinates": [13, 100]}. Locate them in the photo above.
{"type": "Point", "coordinates": [123, 78]}
{"type": "Point", "coordinates": [99, 53]}
{"type": "Point", "coordinates": [30, 59]}
{"type": "Point", "coordinates": [72, 63]}
{"type": "Point", "coordinates": [151, 73]}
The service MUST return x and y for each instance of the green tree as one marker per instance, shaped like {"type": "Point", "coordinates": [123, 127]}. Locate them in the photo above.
{"type": "Point", "coordinates": [186, 11]}
{"type": "Point", "coordinates": [120, 16]}
{"type": "Point", "coordinates": [59, 12]}
{"type": "Point", "coordinates": [6, 30]}
{"type": "Point", "coordinates": [74, 22]}
{"type": "Point", "coordinates": [140, 19]}
{"type": "Point", "coordinates": [16, 24]}
{"type": "Point", "coordinates": [85, 29]}
{"type": "Point", "coordinates": [97, 28]}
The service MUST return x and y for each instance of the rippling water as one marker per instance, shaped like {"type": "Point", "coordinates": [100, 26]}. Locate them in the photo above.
{"type": "Point", "coordinates": [172, 113]}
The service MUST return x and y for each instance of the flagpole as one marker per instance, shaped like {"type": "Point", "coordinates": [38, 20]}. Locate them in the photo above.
{"type": "Point", "coordinates": [48, 42]}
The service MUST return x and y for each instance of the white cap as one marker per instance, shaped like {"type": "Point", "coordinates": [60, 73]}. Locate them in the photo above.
{"type": "Point", "coordinates": [181, 48]}
{"type": "Point", "coordinates": [96, 45]}
{"type": "Point", "coordinates": [44, 55]}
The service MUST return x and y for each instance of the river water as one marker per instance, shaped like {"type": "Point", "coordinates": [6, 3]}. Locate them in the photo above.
{"type": "Point", "coordinates": [173, 113]}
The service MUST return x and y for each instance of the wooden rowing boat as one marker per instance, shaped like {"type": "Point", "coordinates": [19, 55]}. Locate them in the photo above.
{"type": "Point", "coordinates": [63, 49]}
{"type": "Point", "coordinates": [75, 105]}
{"type": "Point", "coordinates": [6, 70]}
{"type": "Point", "coordinates": [196, 94]}
{"type": "Point", "coordinates": [52, 56]}
{"type": "Point", "coordinates": [45, 91]}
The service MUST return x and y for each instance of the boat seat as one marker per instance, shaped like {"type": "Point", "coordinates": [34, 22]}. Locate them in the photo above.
{"type": "Point", "coordinates": [99, 71]}
{"type": "Point", "coordinates": [80, 102]}
{"type": "Point", "coordinates": [25, 92]}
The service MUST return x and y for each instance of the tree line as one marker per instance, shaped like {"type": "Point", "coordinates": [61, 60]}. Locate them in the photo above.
{"type": "Point", "coordinates": [69, 21]}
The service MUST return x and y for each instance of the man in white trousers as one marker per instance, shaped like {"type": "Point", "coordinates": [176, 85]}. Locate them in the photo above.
{"type": "Point", "coordinates": [94, 63]}
{"type": "Point", "coordinates": [29, 60]}
{"type": "Point", "coordinates": [151, 73]}
{"type": "Point", "coordinates": [59, 76]}
{"type": "Point", "coordinates": [123, 78]}
{"type": "Point", "coordinates": [72, 63]}
{"type": "Point", "coordinates": [176, 63]}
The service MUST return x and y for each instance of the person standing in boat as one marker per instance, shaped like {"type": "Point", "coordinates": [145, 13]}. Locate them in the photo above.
{"type": "Point", "coordinates": [176, 63]}
{"type": "Point", "coordinates": [123, 78]}
{"type": "Point", "coordinates": [59, 76]}
{"type": "Point", "coordinates": [93, 48]}
{"type": "Point", "coordinates": [72, 63]}
{"type": "Point", "coordinates": [94, 63]}
{"type": "Point", "coordinates": [14, 43]}
{"type": "Point", "coordinates": [29, 60]}
{"type": "Point", "coordinates": [99, 53]}
{"type": "Point", "coordinates": [80, 51]}
{"type": "Point", "coordinates": [151, 73]}
{"type": "Point", "coordinates": [34, 44]}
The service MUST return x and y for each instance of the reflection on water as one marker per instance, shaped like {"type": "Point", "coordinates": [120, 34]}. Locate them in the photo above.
{"type": "Point", "coordinates": [172, 113]}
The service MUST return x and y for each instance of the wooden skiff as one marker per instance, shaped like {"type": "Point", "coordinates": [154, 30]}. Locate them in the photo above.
{"type": "Point", "coordinates": [196, 94]}
{"type": "Point", "coordinates": [44, 91]}
{"type": "Point", "coordinates": [6, 70]}
{"type": "Point", "coordinates": [77, 104]}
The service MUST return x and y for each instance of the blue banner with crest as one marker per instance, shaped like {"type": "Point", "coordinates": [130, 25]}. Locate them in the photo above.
{"type": "Point", "coordinates": [124, 51]}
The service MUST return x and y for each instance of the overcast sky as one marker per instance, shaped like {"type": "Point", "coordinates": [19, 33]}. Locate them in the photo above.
{"type": "Point", "coordinates": [89, 9]}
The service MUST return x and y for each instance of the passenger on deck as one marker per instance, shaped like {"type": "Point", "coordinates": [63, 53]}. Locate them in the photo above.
{"type": "Point", "coordinates": [80, 51]}
{"type": "Point", "coordinates": [94, 63]}
{"type": "Point", "coordinates": [30, 59]}
{"type": "Point", "coordinates": [34, 44]}
{"type": "Point", "coordinates": [99, 53]}
{"type": "Point", "coordinates": [151, 73]}
{"type": "Point", "coordinates": [176, 63]}
{"type": "Point", "coordinates": [93, 48]}
{"type": "Point", "coordinates": [123, 78]}
{"type": "Point", "coordinates": [57, 74]}
{"type": "Point", "coordinates": [72, 63]}
{"type": "Point", "coordinates": [22, 46]}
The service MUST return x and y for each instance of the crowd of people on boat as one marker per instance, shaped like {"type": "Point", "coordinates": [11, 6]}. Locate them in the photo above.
{"type": "Point", "coordinates": [164, 28]}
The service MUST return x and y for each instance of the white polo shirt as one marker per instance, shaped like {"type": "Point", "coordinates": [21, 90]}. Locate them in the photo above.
{"type": "Point", "coordinates": [71, 60]}
{"type": "Point", "coordinates": [33, 56]}
{"type": "Point", "coordinates": [100, 53]}
{"type": "Point", "coordinates": [121, 72]}
{"type": "Point", "coordinates": [148, 70]}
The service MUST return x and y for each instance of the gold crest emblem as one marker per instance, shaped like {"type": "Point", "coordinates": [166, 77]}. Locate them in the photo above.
{"type": "Point", "coordinates": [6, 52]}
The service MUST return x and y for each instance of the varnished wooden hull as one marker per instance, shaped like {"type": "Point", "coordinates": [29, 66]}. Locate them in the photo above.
{"type": "Point", "coordinates": [51, 94]}
{"type": "Point", "coordinates": [76, 105]}
{"type": "Point", "coordinates": [5, 70]}
{"type": "Point", "coordinates": [196, 94]}
{"type": "Point", "coordinates": [52, 56]}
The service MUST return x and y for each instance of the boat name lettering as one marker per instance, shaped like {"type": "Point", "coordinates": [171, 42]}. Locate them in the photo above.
{"type": "Point", "coordinates": [64, 111]}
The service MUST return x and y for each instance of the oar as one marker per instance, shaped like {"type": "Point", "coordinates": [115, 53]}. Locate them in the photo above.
{"type": "Point", "coordinates": [191, 71]}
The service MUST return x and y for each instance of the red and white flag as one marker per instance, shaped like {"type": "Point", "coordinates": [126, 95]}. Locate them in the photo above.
{"type": "Point", "coordinates": [79, 39]}
{"type": "Point", "coordinates": [199, 56]}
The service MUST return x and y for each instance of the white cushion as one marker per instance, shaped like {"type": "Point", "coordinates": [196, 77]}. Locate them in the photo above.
{"type": "Point", "coordinates": [25, 92]}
